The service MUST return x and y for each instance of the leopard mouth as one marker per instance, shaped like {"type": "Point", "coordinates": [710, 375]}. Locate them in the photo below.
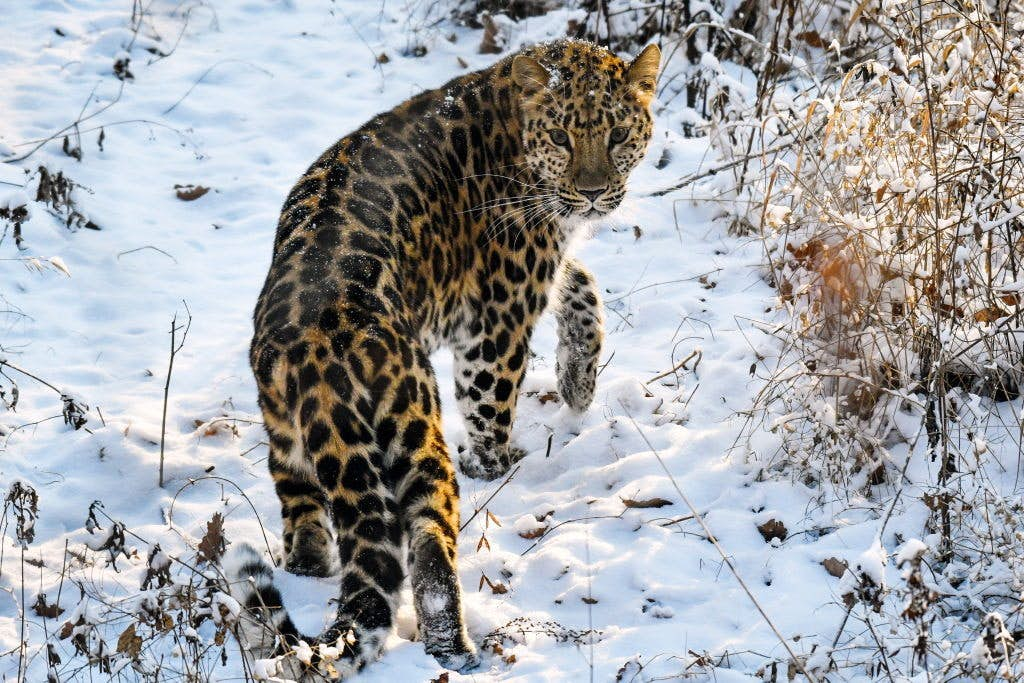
{"type": "Point", "coordinates": [585, 210]}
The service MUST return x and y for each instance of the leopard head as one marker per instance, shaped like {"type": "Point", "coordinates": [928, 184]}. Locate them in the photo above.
{"type": "Point", "coordinates": [585, 120]}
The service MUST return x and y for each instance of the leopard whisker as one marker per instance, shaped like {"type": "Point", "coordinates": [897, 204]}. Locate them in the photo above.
{"type": "Point", "coordinates": [500, 202]}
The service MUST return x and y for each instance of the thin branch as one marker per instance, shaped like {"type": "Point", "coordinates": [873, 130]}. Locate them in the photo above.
{"type": "Point", "coordinates": [148, 246]}
{"type": "Point", "coordinates": [5, 363]}
{"type": "Point", "coordinates": [681, 365]}
{"type": "Point", "coordinates": [490, 497]}
{"type": "Point", "coordinates": [175, 348]}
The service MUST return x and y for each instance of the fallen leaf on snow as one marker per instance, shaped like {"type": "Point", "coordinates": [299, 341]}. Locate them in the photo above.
{"type": "Point", "coordinates": [531, 534]}
{"type": "Point", "coordinates": [190, 193]}
{"type": "Point", "coordinates": [44, 610]}
{"type": "Point", "coordinates": [649, 503]}
{"type": "Point", "coordinates": [835, 566]}
{"type": "Point", "coordinates": [773, 528]}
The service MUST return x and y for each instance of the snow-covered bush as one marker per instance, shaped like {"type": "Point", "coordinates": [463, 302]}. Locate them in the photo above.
{"type": "Point", "coordinates": [894, 239]}
{"type": "Point", "coordinates": [889, 193]}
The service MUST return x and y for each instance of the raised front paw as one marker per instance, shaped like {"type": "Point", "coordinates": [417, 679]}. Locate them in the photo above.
{"type": "Point", "coordinates": [577, 378]}
{"type": "Point", "coordinates": [489, 463]}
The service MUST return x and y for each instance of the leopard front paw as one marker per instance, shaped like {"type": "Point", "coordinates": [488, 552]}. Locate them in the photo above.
{"type": "Point", "coordinates": [576, 382]}
{"type": "Point", "coordinates": [489, 463]}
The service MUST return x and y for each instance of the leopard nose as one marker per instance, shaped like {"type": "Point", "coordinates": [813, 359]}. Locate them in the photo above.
{"type": "Point", "coordinates": [592, 195]}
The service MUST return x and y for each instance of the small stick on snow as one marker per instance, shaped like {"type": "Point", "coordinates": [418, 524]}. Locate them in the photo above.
{"type": "Point", "coordinates": [148, 246]}
{"type": "Point", "coordinates": [490, 498]}
{"type": "Point", "coordinates": [175, 348]}
{"type": "Point", "coordinates": [5, 363]}
{"type": "Point", "coordinates": [681, 365]}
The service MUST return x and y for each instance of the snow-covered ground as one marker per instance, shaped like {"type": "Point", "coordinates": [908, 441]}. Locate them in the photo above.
{"type": "Point", "coordinates": [251, 92]}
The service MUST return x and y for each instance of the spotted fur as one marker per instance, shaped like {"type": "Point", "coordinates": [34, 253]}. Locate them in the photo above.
{"type": "Point", "coordinates": [441, 222]}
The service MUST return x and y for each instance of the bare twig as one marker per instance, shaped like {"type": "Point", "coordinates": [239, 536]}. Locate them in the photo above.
{"type": "Point", "coordinates": [148, 246]}
{"type": "Point", "coordinates": [681, 365]}
{"type": "Point", "coordinates": [223, 480]}
{"type": "Point", "coordinates": [176, 346]}
{"type": "Point", "coordinates": [5, 363]}
{"type": "Point", "coordinates": [207, 73]}
{"type": "Point", "coordinates": [480, 507]}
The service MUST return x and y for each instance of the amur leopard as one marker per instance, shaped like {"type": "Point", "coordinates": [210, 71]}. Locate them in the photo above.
{"type": "Point", "coordinates": [443, 222]}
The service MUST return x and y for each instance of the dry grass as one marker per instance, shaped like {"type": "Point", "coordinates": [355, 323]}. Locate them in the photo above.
{"type": "Point", "coordinates": [886, 180]}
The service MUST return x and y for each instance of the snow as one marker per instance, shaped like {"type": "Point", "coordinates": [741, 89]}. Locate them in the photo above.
{"type": "Point", "coordinates": [250, 95]}
{"type": "Point", "coordinates": [912, 550]}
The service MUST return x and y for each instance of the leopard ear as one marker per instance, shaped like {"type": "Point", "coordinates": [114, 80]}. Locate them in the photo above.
{"type": "Point", "coordinates": [529, 74]}
{"type": "Point", "coordinates": [642, 72]}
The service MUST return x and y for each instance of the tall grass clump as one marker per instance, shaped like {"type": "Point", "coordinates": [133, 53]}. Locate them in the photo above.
{"type": "Point", "coordinates": [892, 212]}
{"type": "Point", "coordinates": [895, 243]}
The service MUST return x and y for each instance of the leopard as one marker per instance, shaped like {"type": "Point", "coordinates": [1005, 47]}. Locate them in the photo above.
{"type": "Point", "coordinates": [445, 222]}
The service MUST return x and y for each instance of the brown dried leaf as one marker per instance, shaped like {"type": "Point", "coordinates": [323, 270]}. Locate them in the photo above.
{"type": "Point", "coordinates": [49, 611]}
{"type": "Point", "coordinates": [497, 587]}
{"type": "Point", "coordinates": [489, 42]}
{"type": "Point", "coordinates": [990, 314]}
{"type": "Point", "coordinates": [190, 193]}
{"type": "Point", "coordinates": [937, 501]}
{"type": "Point", "coordinates": [216, 426]}
{"type": "Point", "coordinates": [589, 600]}
{"type": "Point", "coordinates": [66, 630]}
{"type": "Point", "coordinates": [773, 528]}
{"type": "Point", "coordinates": [835, 566]}
{"type": "Point", "coordinates": [548, 397]}
{"type": "Point", "coordinates": [166, 623]}
{"type": "Point", "coordinates": [213, 545]}
{"type": "Point", "coordinates": [812, 38]}
{"type": "Point", "coordinates": [483, 542]}
{"type": "Point", "coordinates": [533, 533]}
{"type": "Point", "coordinates": [129, 642]}
{"type": "Point", "coordinates": [649, 503]}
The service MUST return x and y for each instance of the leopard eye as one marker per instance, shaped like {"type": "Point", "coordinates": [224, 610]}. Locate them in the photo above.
{"type": "Point", "coordinates": [559, 137]}
{"type": "Point", "coordinates": [618, 134]}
